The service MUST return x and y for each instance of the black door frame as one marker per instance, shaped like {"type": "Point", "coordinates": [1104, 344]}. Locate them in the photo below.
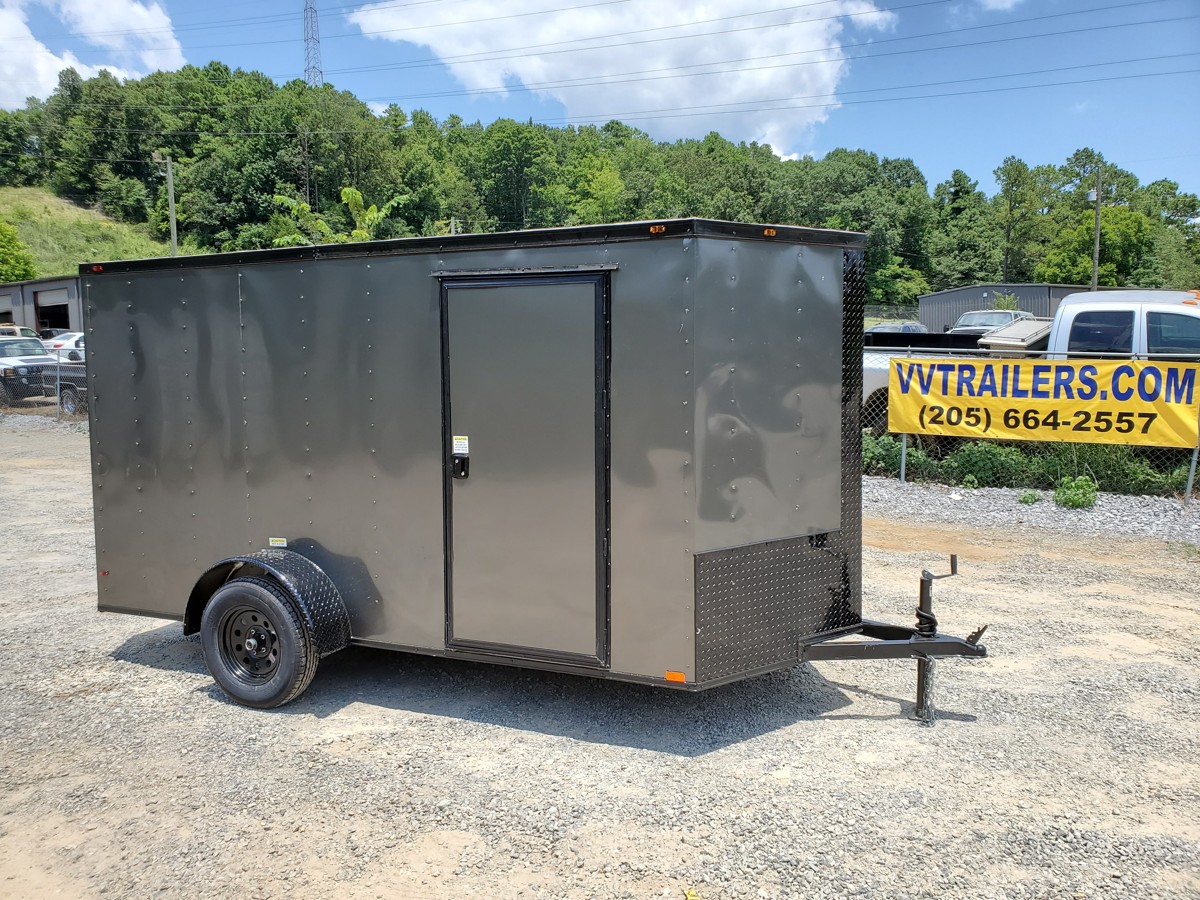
{"type": "Point", "coordinates": [602, 367]}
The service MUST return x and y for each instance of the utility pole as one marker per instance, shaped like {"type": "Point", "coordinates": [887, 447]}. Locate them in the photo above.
{"type": "Point", "coordinates": [166, 157]}
{"type": "Point", "coordinates": [1096, 195]}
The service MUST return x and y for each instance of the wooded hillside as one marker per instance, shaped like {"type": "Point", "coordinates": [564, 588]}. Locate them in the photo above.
{"type": "Point", "coordinates": [257, 164]}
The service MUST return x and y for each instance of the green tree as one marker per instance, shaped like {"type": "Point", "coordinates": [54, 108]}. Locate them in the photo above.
{"type": "Point", "coordinates": [1016, 207]}
{"type": "Point", "coordinates": [16, 262]}
{"type": "Point", "coordinates": [895, 284]}
{"type": "Point", "coordinates": [964, 247]}
{"type": "Point", "coordinates": [519, 166]}
{"type": "Point", "coordinates": [367, 219]}
{"type": "Point", "coordinates": [601, 197]}
{"type": "Point", "coordinates": [1170, 263]}
{"type": "Point", "coordinates": [311, 228]}
{"type": "Point", "coordinates": [20, 163]}
{"type": "Point", "coordinates": [1126, 241]}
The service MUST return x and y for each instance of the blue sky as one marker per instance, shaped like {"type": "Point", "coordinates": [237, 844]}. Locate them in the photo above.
{"type": "Point", "coordinates": [804, 76]}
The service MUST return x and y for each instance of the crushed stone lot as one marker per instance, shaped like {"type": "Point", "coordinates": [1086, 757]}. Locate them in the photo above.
{"type": "Point", "coordinates": [1066, 765]}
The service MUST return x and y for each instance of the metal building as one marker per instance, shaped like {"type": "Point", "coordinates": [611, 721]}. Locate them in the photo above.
{"type": "Point", "coordinates": [939, 311]}
{"type": "Point", "coordinates": [42, 303]}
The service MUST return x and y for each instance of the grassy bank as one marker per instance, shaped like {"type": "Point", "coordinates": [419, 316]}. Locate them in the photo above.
{"type": "Point", "coordinates": [62, 235]}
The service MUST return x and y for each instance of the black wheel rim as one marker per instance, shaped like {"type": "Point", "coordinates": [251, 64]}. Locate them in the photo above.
{"type": "Point", "coordinates": [249, 645]}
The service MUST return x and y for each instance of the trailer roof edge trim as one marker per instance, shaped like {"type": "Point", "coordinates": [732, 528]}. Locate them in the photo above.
{"type": "Point", "coordinates": [649, 230]}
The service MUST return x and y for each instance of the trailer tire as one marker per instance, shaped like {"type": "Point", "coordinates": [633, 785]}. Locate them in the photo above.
{"type": "Point", "coordinates": [256, 644]}
{"type": "Point", "coordinates": [70, 402]}
{"type": "Point", "coordinates": [5, 397]}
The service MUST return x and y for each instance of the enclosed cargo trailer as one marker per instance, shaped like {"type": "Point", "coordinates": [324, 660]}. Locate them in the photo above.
{"type": "Point", "coordinates": [629, 451]}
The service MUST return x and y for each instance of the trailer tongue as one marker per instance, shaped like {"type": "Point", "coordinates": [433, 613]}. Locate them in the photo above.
{"type": "Point", "coordinates": [921, 642]}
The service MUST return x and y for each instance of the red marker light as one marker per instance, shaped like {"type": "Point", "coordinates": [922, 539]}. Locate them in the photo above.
{"type": "Point", "coordinates": [103, 572]}
{"type": "Point", "coordinates": [97, 268]}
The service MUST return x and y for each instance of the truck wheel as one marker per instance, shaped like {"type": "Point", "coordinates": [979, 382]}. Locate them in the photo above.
{"type": "Point", "coordinates": [70, 402]}
{"type": "Point", "coordinates": [875, 413]}
{"type": "Point", "coordinates": [256, 646]}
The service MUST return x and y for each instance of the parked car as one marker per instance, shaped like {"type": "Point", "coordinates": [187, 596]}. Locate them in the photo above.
{"type": "Point", "coordinates": [894, 327]}
{"type": "Point", "coordinates": [48, 333]}
{"type": "Point", "coordinates": [8, 329]}
{"type": "Point", "coordinates": [981, 321]}
{"type": "Point", "coordinates": [21, 363]}
{"type": "Point", "coordinates": [69, 346]}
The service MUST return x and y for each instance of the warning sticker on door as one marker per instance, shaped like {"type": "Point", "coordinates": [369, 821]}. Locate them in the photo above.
{"type": "Point", "coordinates": [277, 542]}
{"type": "Point", "coordinates": [462, 445]}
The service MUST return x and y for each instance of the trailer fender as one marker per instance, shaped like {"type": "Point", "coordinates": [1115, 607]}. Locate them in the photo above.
{"type": "Point", "coordinates": [314, 594]}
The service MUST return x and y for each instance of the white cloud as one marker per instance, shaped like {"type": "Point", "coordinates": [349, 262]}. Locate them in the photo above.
{"type": "Point", "coordinates": [109, 23]}
{"type": "Point", "coordinates": [378, 107]}
{"type": "Point", "coordinates": [1000, 5]}
{"type": "Point", "coordinates": [471, 29]}
{"type": "Point", "coordinates": [30, 68]}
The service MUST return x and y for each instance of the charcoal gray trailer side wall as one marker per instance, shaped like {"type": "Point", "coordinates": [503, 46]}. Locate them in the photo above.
{"type": "Point", "coordinates": [661, 422]}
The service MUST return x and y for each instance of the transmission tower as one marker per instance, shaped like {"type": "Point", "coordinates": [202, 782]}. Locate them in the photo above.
{"type": "Point", "coordinates": [312, 46]}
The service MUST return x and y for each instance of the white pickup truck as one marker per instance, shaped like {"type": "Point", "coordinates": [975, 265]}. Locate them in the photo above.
{"type": "Point", "coordinates": [1136, 324]}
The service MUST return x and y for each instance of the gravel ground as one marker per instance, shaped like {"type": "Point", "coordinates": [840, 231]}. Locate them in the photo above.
{"type": "Point", "coordinates": [1066, 765]}
{"type": "Point", "coordinates": [1114, 515]}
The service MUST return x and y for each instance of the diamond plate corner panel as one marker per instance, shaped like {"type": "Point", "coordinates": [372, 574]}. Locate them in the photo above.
{"type": "Point", "coordinates": [854, 299]}
{"type": "Point", "coordinates": [755, 603]}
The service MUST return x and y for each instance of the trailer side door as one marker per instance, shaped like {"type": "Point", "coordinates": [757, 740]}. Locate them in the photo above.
{"type": "Point", "coordinates": [525, 394]}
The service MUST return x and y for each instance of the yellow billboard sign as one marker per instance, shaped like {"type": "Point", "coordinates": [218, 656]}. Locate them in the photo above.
{"type": "Point", "coordinates": [1153, 403]}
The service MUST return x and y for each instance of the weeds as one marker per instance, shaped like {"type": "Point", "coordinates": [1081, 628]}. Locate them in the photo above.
{"type": "Point", "coordinates": [1110, 467]}
{"type": "Point", "coordinates": [1076, 493]}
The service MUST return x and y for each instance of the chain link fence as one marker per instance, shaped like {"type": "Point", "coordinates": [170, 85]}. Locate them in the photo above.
{"type": "Point", "coordinates": [57, 390]}
{"type": "Point", "coordinates": [890, 313]}
{"type": "Point", "coordinates": [67, 386]}
{"type": "Point", "coordinates": [1115, 467]}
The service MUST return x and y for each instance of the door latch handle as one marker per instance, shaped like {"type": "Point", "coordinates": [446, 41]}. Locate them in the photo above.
{"type": "Point", "coordinates": [460, 465]}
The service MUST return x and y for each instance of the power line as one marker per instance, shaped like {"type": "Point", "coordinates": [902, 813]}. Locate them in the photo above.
{"type": "Point", "coordinates": [244, 22]}
{"type": "Point", "coordinates": [636, 117]}
{"type": "Point", "coordinates": [361, 33]}
{"type": "Point", "coordinates": [521, 50]}
{"type": "Point", "coordinates": [673, 73]}
{"type": "Point", "coordinates": [758, 68]}
{"type": "Point", "coordinates": [706, 110]}
{"type": "Point", "coordinates": [757, 103]}
{"type": "Point", "coordinates": [618, 78]}
{"type": "Point", "coordinates": [511, 52]}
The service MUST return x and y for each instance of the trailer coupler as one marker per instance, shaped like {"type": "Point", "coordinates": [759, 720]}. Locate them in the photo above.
{"type": "Point", "coordinates": [921, 642]}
